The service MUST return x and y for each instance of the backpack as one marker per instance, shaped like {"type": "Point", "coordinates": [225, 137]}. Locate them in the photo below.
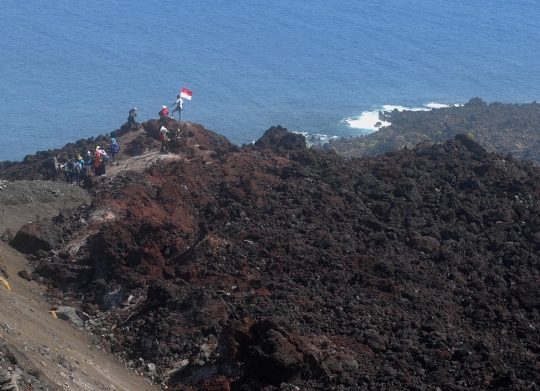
{"type": "Point", "coordinates": [164, 134]}
{"type": "Point", "coordinates": [103, 159]}
{"type": "Point", "coordinates": [70, 166]}
{"type": "Point", "coordinates": [115, 148]}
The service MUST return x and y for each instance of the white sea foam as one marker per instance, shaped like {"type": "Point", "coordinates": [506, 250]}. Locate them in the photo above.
{"type": "Point", "coordinates": [434, 105]}
{"type": "Point", "coordinates": [369, 122]}
{"type": "Point", "coordinates": [316, 138]}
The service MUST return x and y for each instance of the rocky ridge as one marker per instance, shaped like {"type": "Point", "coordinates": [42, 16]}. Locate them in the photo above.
{"type": "Point", "coordinates": [277, 267]}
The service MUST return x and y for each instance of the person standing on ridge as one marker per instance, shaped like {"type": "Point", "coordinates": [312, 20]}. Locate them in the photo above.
{"type": "Point", "coordinates": [88, 162]}
{"type": "Point", "coordinates": [97, 162]}
{"type": "Point", "coordinates": [179, 106]}
{"type": "Point", "coordinates": [164, 137]}
{"type": "Point", "coordinates": [104, 158]}
{"type": "Point", "coordinates": [75, 172]}
{"type": "Point", "coordinates": [80, 160]}
{"type": "Point", "coordinates": [114, 150]}
{"type": "Point", "coordinates": [56, 166]}
{"type": "Point", "coordinates": [163, 112]}
{"type": "Point", "coordinates": [131, 118]}
{"type": "Point", "coordinates": [66, 168]}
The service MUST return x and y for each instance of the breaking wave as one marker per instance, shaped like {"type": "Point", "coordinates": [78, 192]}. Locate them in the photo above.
{"type": "Point", "coordinates": [369, 122]}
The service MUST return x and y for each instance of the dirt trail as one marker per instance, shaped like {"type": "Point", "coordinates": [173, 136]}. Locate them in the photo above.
{"type": "Point", "coordinates": [136, 163]}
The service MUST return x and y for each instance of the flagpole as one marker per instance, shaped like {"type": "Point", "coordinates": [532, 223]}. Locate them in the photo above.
{"type": "Point", "coordinates": [186, 94]}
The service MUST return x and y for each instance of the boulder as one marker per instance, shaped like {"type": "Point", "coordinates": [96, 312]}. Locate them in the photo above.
{"type": "Point", "coordinates": [72, 315]}
{"type": "Point", "coordinates": [278, 136]}
{"type": "Point", "coordinates": [40, 235]}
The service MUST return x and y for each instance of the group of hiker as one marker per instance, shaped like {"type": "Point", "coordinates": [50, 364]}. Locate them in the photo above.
{"type": "Point", "coordinates": [75, 168]}
{"type": "Point", "coordinates": [178, 105]}
{"type": "Point", "coordinates": [164, 133]}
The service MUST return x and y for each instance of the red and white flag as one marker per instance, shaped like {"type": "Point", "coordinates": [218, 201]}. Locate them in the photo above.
{"type": "Point", "coordinates": [186, 94]}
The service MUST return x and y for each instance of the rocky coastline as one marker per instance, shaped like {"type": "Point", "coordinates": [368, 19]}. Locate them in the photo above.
{"type": "Point", "coordinates": [274, 266]}
{"type": "Point", "coordinates": [508, 128]}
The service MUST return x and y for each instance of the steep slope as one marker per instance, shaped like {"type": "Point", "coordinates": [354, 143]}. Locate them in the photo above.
{"type": "Point", "coordinates": [37, 351]}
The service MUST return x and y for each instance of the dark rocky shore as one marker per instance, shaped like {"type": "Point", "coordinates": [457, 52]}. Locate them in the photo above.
{"type": "Point", "coordinates": [508, 128]}
{"type": "Point", "coordinates": [278, 267]}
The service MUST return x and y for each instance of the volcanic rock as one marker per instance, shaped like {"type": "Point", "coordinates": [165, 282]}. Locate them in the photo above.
{"type": "Point", "coordinates": [72, 315]}
{"type": "Point", "coordinates": [41, 235]}
{"type": "Point", "coordinates": [274, 266]}
{"type": "Point", "coordinates": [279, 137]}
{"type": "Point", "coordinates": [509, 128]}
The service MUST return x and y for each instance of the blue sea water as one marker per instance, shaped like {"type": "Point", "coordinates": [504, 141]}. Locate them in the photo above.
{"type": "Point", "coordinates": [72, 69]}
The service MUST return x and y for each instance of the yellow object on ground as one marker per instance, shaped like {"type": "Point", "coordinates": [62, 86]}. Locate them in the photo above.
{"type": "Point", "coordinates": [53, 314]}
{"type": "Point", "coordinates": [6, 284]}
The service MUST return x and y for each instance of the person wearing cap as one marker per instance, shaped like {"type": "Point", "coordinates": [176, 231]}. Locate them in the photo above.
{"type": "Point", "coordinates": [82, 165]}
{"type": "Point", "coordinates": [164, 137]}
{"type": "Point", "coordinates": [88, 162]}
{"type": "Point", "coordinates": [179, 106]}
{"type": "Point", "coordinates": [104, 161]}
{"type": "Point", "coordinates": [163, 112]}
{"type": "Point", "coordinates": [131, 118]}
{"type": "Point", "coordinates": [114, 150]}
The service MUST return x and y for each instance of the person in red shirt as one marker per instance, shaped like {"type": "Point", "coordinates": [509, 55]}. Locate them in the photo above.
{"type": "Point", "coordinates": [163, 112]}
{"type": "Point", "coordinates": [97, 162]}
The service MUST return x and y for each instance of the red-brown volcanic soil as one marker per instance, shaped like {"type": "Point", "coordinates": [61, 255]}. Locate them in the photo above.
{"type": "Point", "coordinates": [276, 267]}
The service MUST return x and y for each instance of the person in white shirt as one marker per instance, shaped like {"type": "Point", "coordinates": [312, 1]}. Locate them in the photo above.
{"type": "Point", "coordinates": [179, 106]}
